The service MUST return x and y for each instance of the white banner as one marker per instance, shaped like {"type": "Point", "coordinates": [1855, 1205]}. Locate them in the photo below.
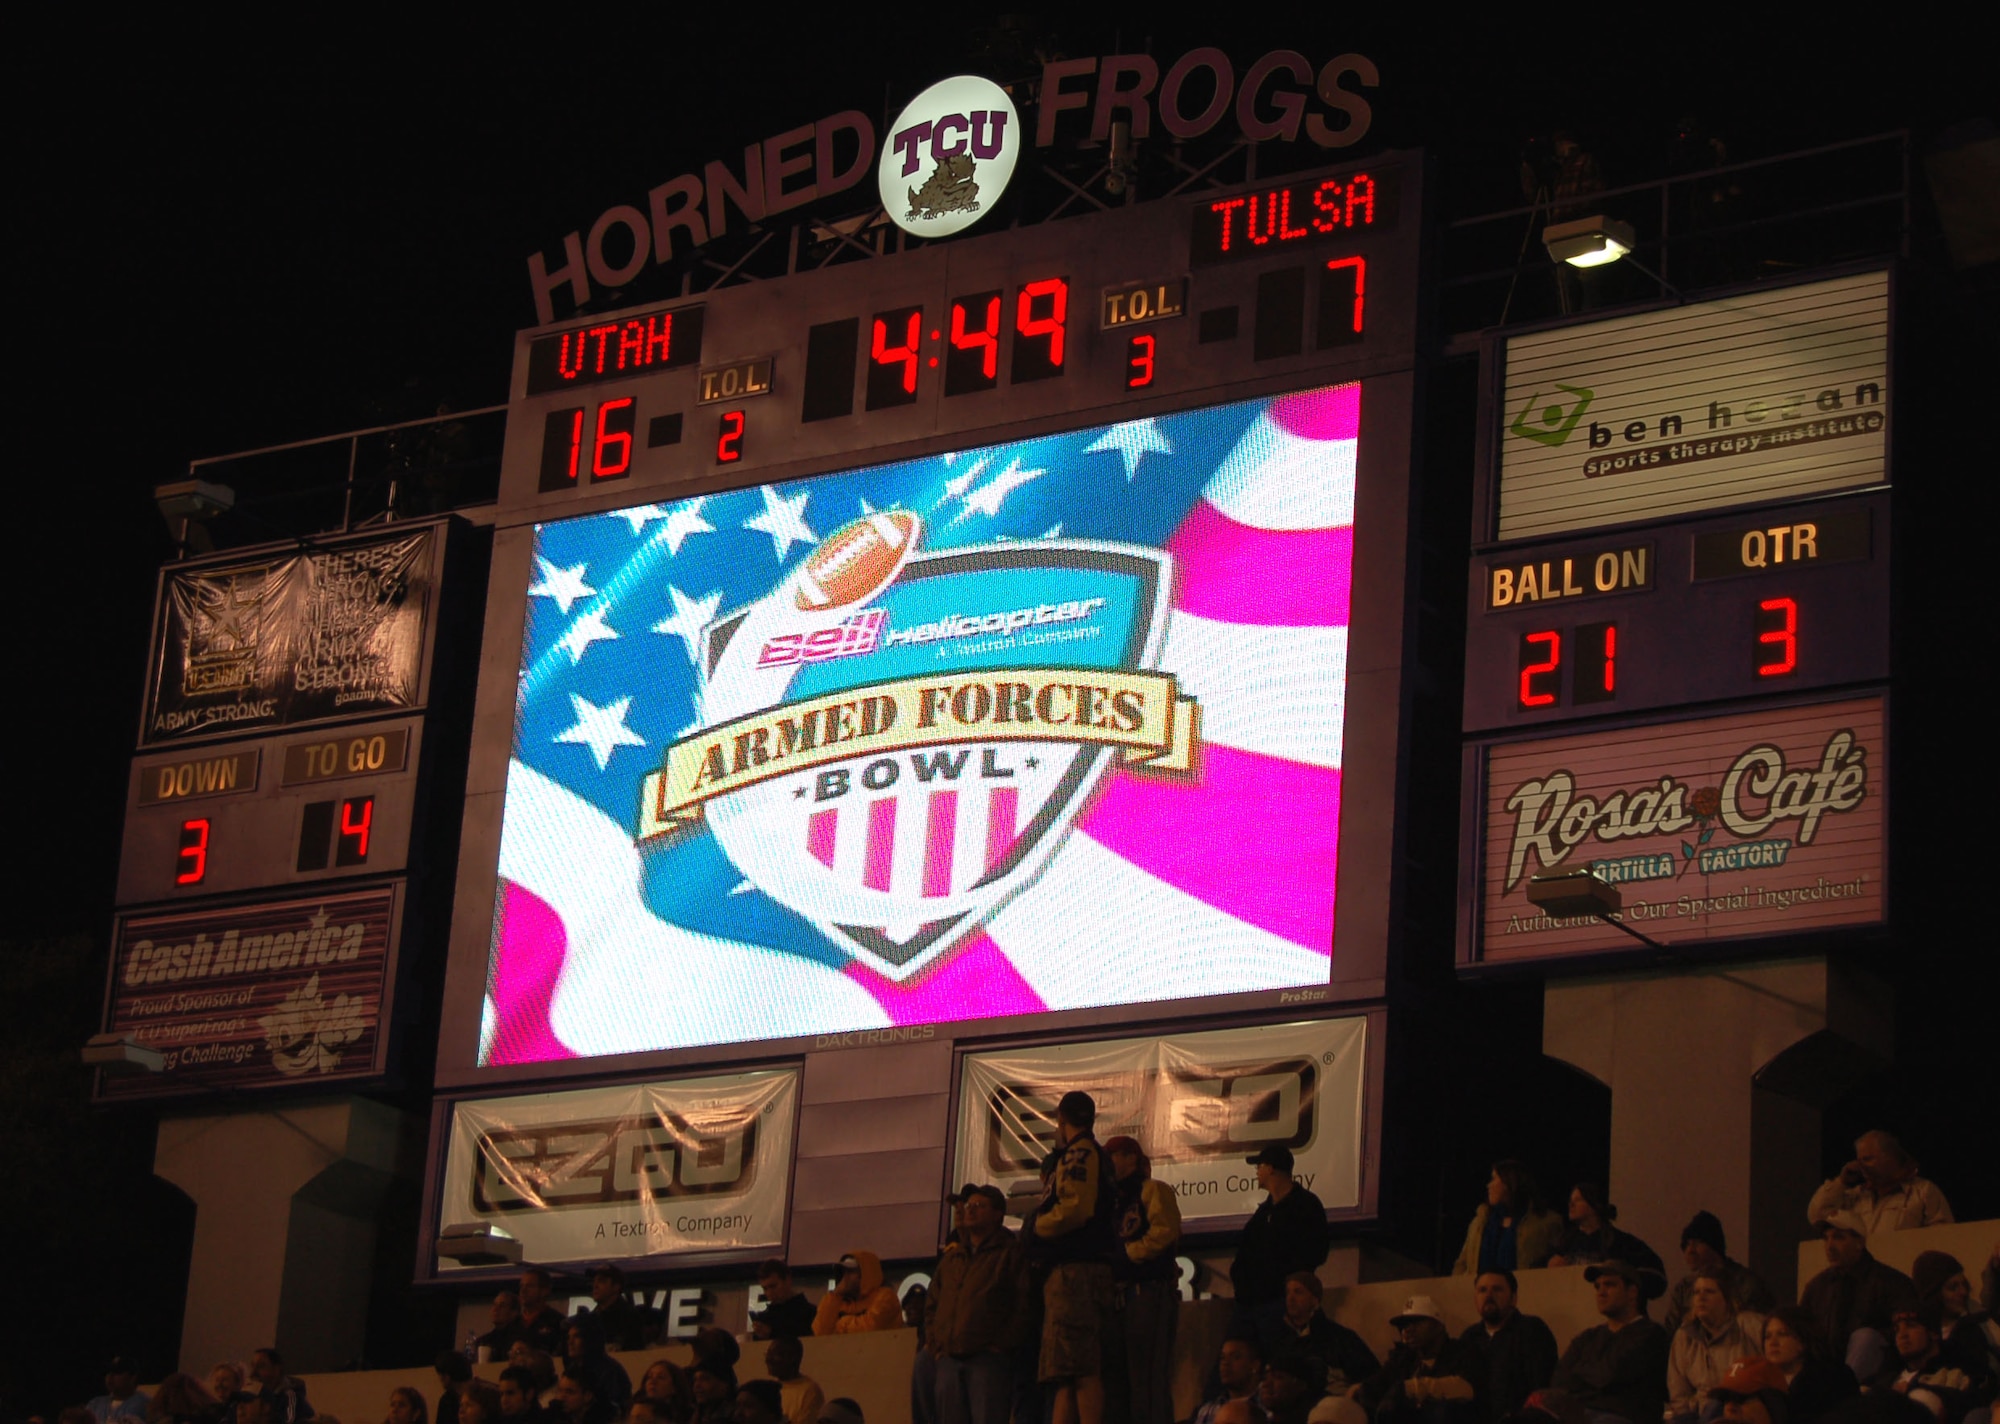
{"type": "Point", "coordinates": [1198, 1103]}
{"type": "Point", "coordinates": [642, 1169]}
{"type": "Point", "coordinates": [1771, 394]}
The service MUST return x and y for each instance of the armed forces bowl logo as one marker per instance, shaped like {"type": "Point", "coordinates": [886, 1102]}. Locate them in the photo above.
{"type": "Point", "coordinates": [949, 156]}
{"type": "Point", "coordinates": [895, 741]}
{"type": "Point", "coordinates": [1046, 725]}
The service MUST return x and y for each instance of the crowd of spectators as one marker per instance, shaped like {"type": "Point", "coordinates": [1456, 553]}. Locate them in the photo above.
{"type": "Point", "coordinates": [1073, 1319]}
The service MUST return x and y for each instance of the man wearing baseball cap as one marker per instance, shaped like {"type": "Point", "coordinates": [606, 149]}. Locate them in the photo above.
{"type": "Point", "coordinates": [122, 1397]}
{"type": "Point", "coordinates": [978, 1311]}
{"type": "Point", "coordinates": [1287, 1234]}
{"type": "Point", "coordinates": [1617, 1370]}
{"type": "Point", "coordinates": [1753, 1392]}
{"type": "Point", "coordinates": [1076, 1231]}
{"type": "Point", "coordinates": [1855, 1299]}
{"type": "Point", "coordinates": [1943, 1386]}
{"type": "Point", "coordinates": [1429, 1376]}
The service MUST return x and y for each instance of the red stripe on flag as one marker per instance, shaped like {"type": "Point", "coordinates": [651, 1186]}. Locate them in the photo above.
{"type": "Point", "coordinates": [1003, 805]}
{"type": "Point", "coordinates": [881, 843]}
{"type": "Point", "coordinates": [938, 837]}
{"type": "Point", "coordinates": [819, 836]}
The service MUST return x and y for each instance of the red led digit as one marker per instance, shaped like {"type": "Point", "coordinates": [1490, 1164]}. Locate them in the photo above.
{"type": "Point", "coordinates": [1595, 676]}
{"type": "Point", "coordinates": [985, 340]}
{"type": "Point", "coordinates": [193, 856]}
{"type": "Point", "coordinates": [357, 820]}
{"type": "Point", "coordinates": [611, 454]}
{"type": "Point", "coordinates": [1139, 361]}
{"type": "Point", "coordinates": [1030, 326]}
{"type": "Point", "coordinates": [887, 355]}
{"type": "Point", "coordinates": [729, 438]}
{"type": "Point", "coordinates": [1611, 657]}
{"type": "Point", "coordinates": [1540, 678]}
{"type": "Point", "coordinates": [1777, 637]}
{"type": "Point", "coordinates": [1360, 268]}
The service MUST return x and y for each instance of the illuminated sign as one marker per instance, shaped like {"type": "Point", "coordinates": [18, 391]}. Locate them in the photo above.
{"type": "Point", "coordinates": [223, 774]}
{"type": "Point", "coordinates": [645, 1169]}
{"type": "Point", "coordinates": [1288, 215]}
{"type": "Point", "coordinates": [1699, 611]}
{"type": "Point", "coordinates": [302, 637]}
{"type": "Point", "coordinates": [1721, 828]}
{"type": "Point", "coordinates": [1201, 1102]}
{"type": "Point", "coordinates": [943, 739]}
{"type": "Point", "coordinates": [1772, 394]}
{"type": "Point", "coordinates": [948, 157]}
{"type": "Point", "coordinates": [283, 994]}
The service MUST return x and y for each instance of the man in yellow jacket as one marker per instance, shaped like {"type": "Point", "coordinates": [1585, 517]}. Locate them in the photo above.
{"type": "Point", "coordinates": [860, 1302]}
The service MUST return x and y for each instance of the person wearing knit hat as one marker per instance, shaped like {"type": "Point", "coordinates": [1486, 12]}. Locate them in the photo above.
{"type": "Point", "coordinates": [1930, 1273]}
{"type": "Point", "coordinates": [1704, 1251]}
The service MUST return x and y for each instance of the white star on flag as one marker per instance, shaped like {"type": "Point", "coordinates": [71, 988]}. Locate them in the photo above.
{"type": "Point", "coordinates": [960, 483]}
{"type": "Point", "coordinates": [601, 729]}
{"type": "Point", "coordinates": [565, 586]}
{"type": "Point", "coordinates": [988, 498]}
{"type": "Point", "coordinates": [639, 516]}
{"type": "Point", "coordinates": [590, 628]}
{"type": "Point", "coordinates": [1133, 440]}
{"type": "Point", "coordinates": [784, 520]}
{"type": "Point", "coordinates": [690, 616]}
{"type": "Point", "coordinates": [686, 520]}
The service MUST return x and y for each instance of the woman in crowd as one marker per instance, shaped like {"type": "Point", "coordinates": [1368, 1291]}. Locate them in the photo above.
{"type": "Point", "coordinates": [1814, 1383]}
{"type": "Point", "coordinates": [406, 1406]}
{"type": "Point", "coordinates": [182, 1399]}
{"type": "Point", "coordinates": [1971, 1337]}
{"type": "Point", "coordinates": [1512, 1230]}
{"type": "Point", "coordinates": [1590, 1238]}
{"type": "Point", "coordinates": [225, 1382]}
{"type": "Point", "coordinates": [1714, 1336]}
{"type": "Point", "coordinates": [522, 1355]}
{"type": "Point", "coordinates": [609, 1380]}
{"type": "Point", "coordinates": [665, 1384]}
{"type": "Point", "coordinates": [713, 1388]}
{"type": "Point", "coordinates": [478, 1403]}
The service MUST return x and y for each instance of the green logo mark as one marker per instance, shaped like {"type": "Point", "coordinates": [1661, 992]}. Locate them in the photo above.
{"type": "Point", "coordinates": [1551, 424]}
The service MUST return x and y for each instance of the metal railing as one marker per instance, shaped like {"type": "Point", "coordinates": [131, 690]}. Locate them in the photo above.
{"type": "Point", "coordinates": [1736, 222]}
{"type": "Point", "coordinates": [336, 483]}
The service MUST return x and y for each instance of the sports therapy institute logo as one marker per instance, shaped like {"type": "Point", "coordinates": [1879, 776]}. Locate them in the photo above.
{"type": "Point", "coordinates": [1550, 421]}
{"type": "Point", "coordinates": [895, 743]}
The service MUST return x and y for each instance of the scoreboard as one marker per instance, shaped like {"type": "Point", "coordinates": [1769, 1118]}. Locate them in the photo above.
{"type": "Point", "coordinates": [272, 815]}
{"type": "Point", "coordinates": [990, 642]}
{"type": "Point", "coordinates": [1678, 624]}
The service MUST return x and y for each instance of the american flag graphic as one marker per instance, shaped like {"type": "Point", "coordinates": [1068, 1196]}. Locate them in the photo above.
{"type": "Point", "coordinates": [1142, 888]}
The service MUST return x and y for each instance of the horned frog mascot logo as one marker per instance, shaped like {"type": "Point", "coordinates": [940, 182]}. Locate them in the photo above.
{"type": "Point", "coordinates": [949, 189]}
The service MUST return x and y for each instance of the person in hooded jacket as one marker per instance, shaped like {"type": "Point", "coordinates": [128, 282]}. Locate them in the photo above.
{"type": "Point", "coordinates": [860, 1302]}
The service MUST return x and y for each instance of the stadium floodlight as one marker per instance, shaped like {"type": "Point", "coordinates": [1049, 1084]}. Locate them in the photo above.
{"type": "Point", "coordinates": [1571, 894]}
{"type": "Point", "coordinates": [1588, 242]}
{"type": "Point", "coordinates": [478, 1243]}
{"type": "Point", "coordinates": [122, 1053]}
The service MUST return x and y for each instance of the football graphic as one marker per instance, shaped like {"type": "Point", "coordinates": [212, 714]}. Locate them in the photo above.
{"type": "Point", "coordinates": [858, 560]}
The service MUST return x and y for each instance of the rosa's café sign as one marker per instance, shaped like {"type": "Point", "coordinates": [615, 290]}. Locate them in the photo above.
{"type": "Point", "coordinates": [1280, 97]}
{"type": "Point", "coordinates": [693, 1165]}
{"type": "Point", "coordinates": [1762, 823]}
{"type": "Point", "coordinates": [1198, 1103]}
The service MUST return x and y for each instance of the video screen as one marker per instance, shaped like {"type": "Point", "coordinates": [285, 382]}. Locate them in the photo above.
{"type": "Point", "coordinates": [1040, 726]}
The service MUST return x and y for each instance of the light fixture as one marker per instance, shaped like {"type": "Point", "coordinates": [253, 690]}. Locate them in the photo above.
{"type": "Point", "coordinates": [478, 1243]}
{"type": "Point", "coordinates": [186, 505]}
{"type": "Point", "coordinates": [1588, 242]}
{"type": "Point", "coordinates": [122, 1053]}
{"type": "Point", "coordinates": [1572, 894]}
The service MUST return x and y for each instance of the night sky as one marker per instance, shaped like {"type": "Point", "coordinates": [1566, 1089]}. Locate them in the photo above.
{"type": "Point", "coordinates": [229, 236]}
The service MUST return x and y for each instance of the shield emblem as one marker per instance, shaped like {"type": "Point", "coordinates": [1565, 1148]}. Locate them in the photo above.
{"type": "Point", "coordinates": [899, 856]}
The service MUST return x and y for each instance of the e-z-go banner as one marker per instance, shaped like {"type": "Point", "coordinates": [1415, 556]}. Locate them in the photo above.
{"type": "Point", "coordinates": [1198, 1103]}
{"type": "Point", "coordinates": [641, 1169]}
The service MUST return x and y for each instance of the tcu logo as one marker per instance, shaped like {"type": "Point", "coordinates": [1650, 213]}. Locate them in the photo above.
{"type": "Point", "coordinates": [1222, 1111]}
{"type": "Point", "coordinates": [595, 1163]}
{"type": "Point", "coordinates": [950, 154]}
